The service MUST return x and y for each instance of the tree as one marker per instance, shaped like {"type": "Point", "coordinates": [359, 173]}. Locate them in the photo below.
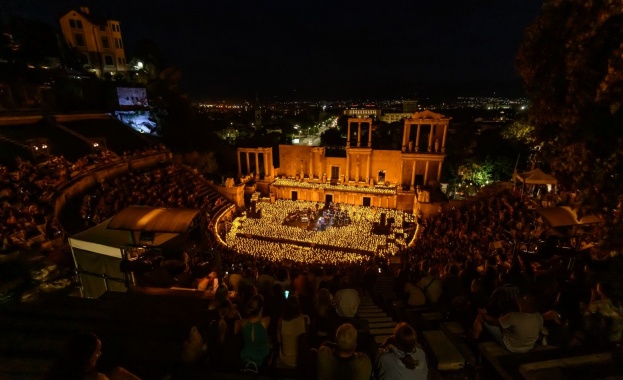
{"type": "Point", "coordinates": [571, 62]}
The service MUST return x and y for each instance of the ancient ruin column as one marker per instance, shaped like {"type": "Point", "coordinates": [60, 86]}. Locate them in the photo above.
{"type": "Point", "coordinates": [357, 169]}
{"type": "Point", "coordinates": [443, 141]}
{"type": "Point", "coordinates": [370, 136]}
{"type": "Point", "coordinates": [265, 158]}
{"type": "Point", "coordinates": [248, 164]}
{"type": "Point", "coordinates": [358, 134]}
{"type": "Point", "coordinates": [239, 166]}
{"type": "Point", "coordinates": [439, 172]}
{"type": "Point", "coordinates": [348, 136]}
{"type": "Point", "coordinates": [430, 138]}
{"type": "Point", "coordinates": [426, 174]}
{"type": "Point", "coordinates": [347, 174]}
{"type": "Point", "coordinates": [405, 136]}
{"type": "Point", "coordinates": [311, 165]}
{"type": "Point", "coordinates": [257, 164]}
{"type": "Point", "coordinates": [368, 169]}
{"type": "Point", "coordinates": [272, 166]}
{"type": "Point", "coordinates": [402, 166]}
{"type": "Point", "coordinates": [417, 138]}
{"type": "Point", "coordinates": [413, 176]}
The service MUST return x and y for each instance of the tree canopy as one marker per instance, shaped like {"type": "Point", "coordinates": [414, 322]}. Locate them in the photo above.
{"type": "Point", "coordinates": [571, 62]}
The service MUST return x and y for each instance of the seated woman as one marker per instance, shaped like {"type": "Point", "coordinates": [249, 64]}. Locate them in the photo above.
{"type": "Point", "coordinates": [255, 333]}
{"type": "Point", "coordinates": [291, 326]}
{"type": "Point", "coordinates": [324, 319]}
{"type": "Point", "coordinates": [399, 358]}
{"type": "Point", "coordinates": [222, 339]}
{"type": "Point", "coordinates": [79, 362]}
{"type": "Point", "coordinates": [604, 315]}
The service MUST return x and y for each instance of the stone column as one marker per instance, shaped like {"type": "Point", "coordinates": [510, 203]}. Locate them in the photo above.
{"type": "Point", "coordinates": [311, 165]}
{"type": "Point", "coordinates": [248, 163]}
{"type": "Point", "coordinates": [405, 136]}
{"type": "Point", "coordinates": [443, 141]}
{"type": "Point", "coordinates": [402, 166]}
{"type": "Point", "coordinates": [348, 136]}
{"type": "Point", "coordinates": [370, 135]}
{"type": "Point", "coordinates": [272, 165]}
{"type": "Point", "coordinates": [430, 139]}
{"type": "Point", "coordinates": [417, 138]}
{"type": "Point", "coordinates": [358, 134]}
{"type": "Point", "coordinates": [426, 174]}
{"type": "Point", "coordinates": [257, 164]}
{"type": "Point", "coordinates": [265, 158]}
{"type": "Point", "coordinates": [239, 165]}
{"type": "Point", "coordinates": [439, 172]}
{"type": "Point", "coordinates": [347, 174]}
{"type": "Point", "coordinates": [413, 176]}
{"type": "Point", "coordinates": [368, 169]}
{"type": "Point", "coordinates": [357, 169]}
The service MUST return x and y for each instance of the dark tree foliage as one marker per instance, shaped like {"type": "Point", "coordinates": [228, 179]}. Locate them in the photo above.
{"type": "Point", "coordinates": [571, 62]}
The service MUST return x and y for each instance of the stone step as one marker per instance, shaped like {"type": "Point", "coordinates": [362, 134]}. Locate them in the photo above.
{"type": "Point", "coordinates": [371, 315]}
{"type": "Point", "coordinates": [379, 319]}
{"type": "Point", "coordinates": [379, 325]}
{"type": "Point", "coordinates": [369, 309]}
{"type": "Point", "coordinates": [382, 331]}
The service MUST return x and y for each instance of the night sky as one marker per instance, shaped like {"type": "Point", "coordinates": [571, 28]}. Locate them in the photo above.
{"type": "Point", "coordinates": [322, 49]}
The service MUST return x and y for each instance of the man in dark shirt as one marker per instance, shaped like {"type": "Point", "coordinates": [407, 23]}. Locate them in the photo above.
{"type": "Point", "coordinates": [342, 361]}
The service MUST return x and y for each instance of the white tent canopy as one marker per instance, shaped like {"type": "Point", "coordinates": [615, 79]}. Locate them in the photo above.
{"type": "Point", "coordinates": [98, 251]}
{"type": "Point", "coordinates": [536, 177]}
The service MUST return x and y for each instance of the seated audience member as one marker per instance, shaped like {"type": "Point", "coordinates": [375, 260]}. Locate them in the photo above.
{"type": "Point", "coordinates": [255, 333]}
{"type": "Point", "coordinates": [414, 295]}
{"type": "Point", "coordinates": [223, 342]}
{"type": "Point", "coordinates": [291, 326]}
{"type": "Point", "coordinates": [516, 331]}
{"type": "Point", "coordinates": [342, 361]}
{"type": "Point", "coordinates": [346, 300]}
{"type": "Point", "coordinates": [564, 319]}
{"type": "Point", "coordinates": [503, 300]}
{"type": "Point", "coordinates": [79, 362]}
{"type": "Point", "coordinates": [603, 315]}
{"type": "Point", "coordinates": [431, 286]}
{"type": "Point", "coordinates": [324, 318]}
{"type": "Point", "coordinates": [399, 358]}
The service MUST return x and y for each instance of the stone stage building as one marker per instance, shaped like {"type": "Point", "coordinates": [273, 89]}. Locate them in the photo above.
{"type": "Point", "coordinates": [362, 176]}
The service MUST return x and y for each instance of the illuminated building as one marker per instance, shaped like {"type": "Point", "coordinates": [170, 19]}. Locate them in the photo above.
{"type": "Point", "coordinates": [97, 39]}
{"type": "Point", "coordinates": [360, 175]}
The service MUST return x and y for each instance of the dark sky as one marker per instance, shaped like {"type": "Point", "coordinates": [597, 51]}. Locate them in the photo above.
{"type": "Point", "coordinates": [322, 49]}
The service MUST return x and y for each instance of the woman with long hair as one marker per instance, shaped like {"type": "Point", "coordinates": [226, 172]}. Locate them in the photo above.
{"type": "Point", "coordinates": [400, 358]}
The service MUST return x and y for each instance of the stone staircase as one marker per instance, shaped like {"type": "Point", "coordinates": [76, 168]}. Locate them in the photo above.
{"type": "Point", "coordinates": [380, 323]}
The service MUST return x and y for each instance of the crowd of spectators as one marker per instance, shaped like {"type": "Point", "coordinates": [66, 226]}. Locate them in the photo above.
{"type": "Point", "coordinates": [27, 214]}
{"type": "Point", "coordinates": [170, 186]}
{"type": "Point", "coordinates": [480, 262]}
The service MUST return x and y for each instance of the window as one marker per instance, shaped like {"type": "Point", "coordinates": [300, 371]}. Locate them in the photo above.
{"type": "Point", "coordinates": [108, 60]}
{"type": "Point", "coordinates": [79, 39]}
{"type": "Point", "coordinates": [105, 43]}
{"type": "Point", "coordinates": [119, 60]}
{"type": "Point", "coordinates": [79, 24]}
{"type": "Point", "coordinates": [117, 43]}
{"type": "Point", "coordinates": [120, 44]}
{"type": "Point", "coordinates": [72, 23]}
